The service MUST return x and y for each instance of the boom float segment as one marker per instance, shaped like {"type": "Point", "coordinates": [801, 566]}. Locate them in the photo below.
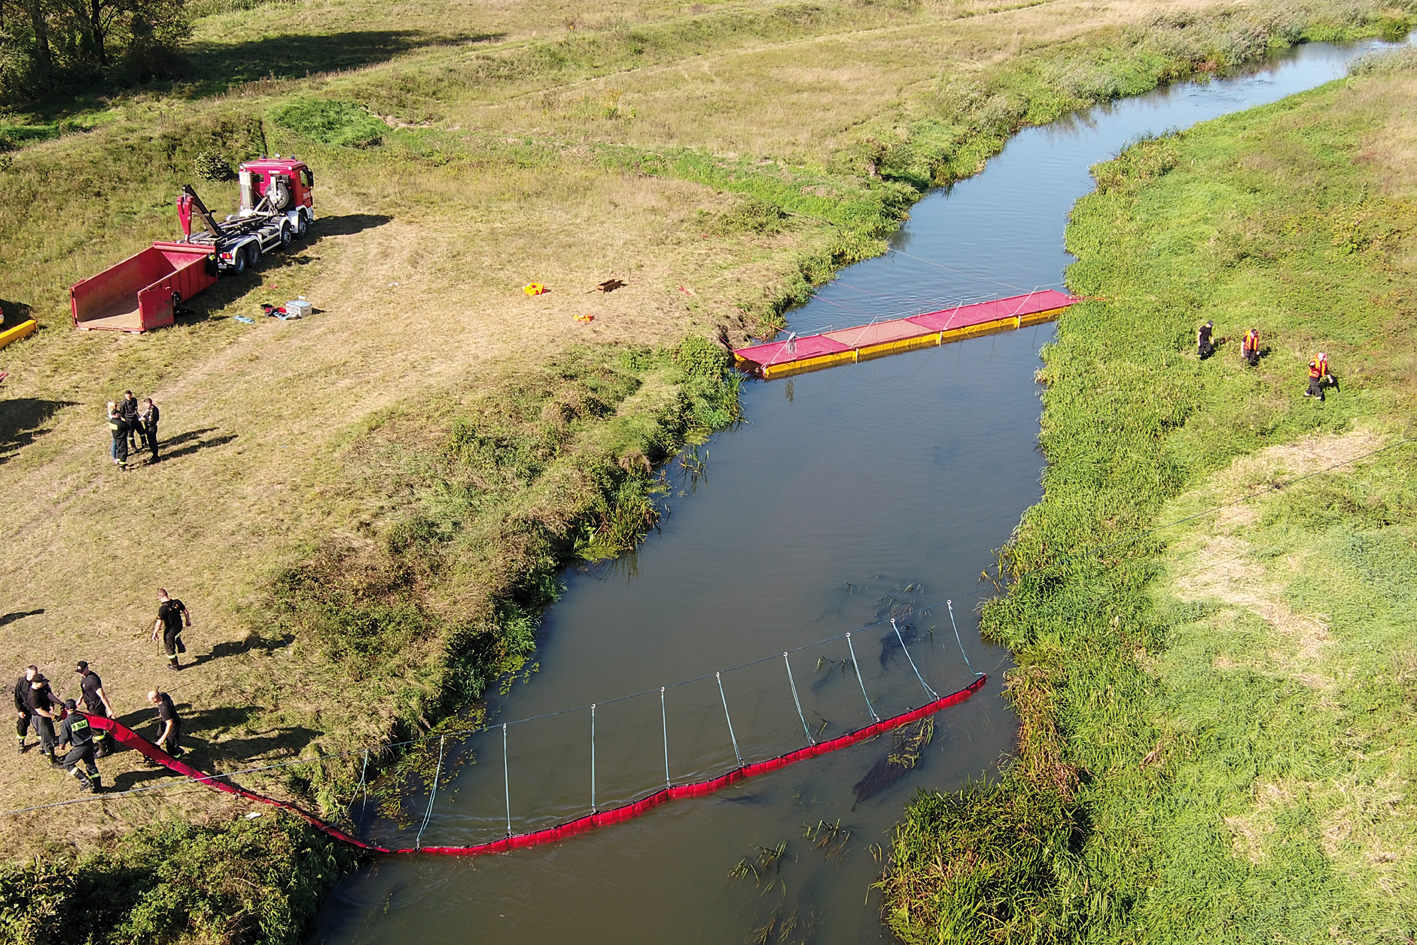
{"type": "Point", "coordinates": [813, 352]}
{"type": "Point", "coordinates": [126, 736]}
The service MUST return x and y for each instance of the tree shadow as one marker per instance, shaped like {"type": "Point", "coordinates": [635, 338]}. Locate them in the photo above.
{"type": "Point", "coordinates": [216, 67]}
{"type": "Point", "coordinates": [22, 421]}
{"type": "Point", "coordinates": [10, 618]}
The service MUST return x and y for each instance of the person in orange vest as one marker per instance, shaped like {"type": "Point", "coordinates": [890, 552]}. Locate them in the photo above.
{"type": "Point", "coordinates": [1319, 375]}
{"type": "Point", "coordinates": [1250, 347]}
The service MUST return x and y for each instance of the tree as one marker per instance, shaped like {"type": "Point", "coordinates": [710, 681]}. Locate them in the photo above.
{"type": "Point", "coordinates": [48, 45]}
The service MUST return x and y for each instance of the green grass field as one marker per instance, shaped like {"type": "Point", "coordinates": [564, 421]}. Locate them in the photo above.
{"type": "Point", "coordinates": [367, 509]}
{"type": "Point", "coordinates": [1216, 738]}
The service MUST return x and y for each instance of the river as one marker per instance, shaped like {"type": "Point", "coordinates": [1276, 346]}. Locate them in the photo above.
{"type": "Point", "coordinates": [846, 495]}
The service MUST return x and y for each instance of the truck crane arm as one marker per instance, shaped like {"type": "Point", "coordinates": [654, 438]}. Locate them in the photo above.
{"type": "Point", "coordinates": [194, 204]}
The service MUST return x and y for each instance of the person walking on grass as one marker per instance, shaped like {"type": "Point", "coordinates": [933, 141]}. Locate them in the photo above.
{"type": "Point", "coordinates": [76, 732]}
{"type": "Point", "coordinates": [1319, 375]}
{"type": "Point", "coordinates": [149, 418]}
{"type": "Point", "coordinates": [169, 725]}
{"type": "Point", "coordinates": [119, 428]}
{"type": "Point", "coordinates": [41, 703]}
{"type": "Point", "coordinates": [172, 619]}
{"type": "Point", "coordinates": [1250, 347]}
{"type": "Point", "coordinates": [1204, 346]}
{"type": "Point", "coordinates": [95, 703]}
{"type": "Point", "coordinates": [23, 715]}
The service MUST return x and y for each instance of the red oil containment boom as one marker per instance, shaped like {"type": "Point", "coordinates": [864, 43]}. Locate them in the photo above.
{"type": "Point", "coordinates": [127, 737]}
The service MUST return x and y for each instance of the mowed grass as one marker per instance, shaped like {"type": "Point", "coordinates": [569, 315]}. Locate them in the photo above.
{"type": "Point", "coordinates": [1216, 739]}
{"type": "Point", "coordinates": [365, 510]}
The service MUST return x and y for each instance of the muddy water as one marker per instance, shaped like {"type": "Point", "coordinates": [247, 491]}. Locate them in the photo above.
{"type": "Point", "coordinates": [848, 495]}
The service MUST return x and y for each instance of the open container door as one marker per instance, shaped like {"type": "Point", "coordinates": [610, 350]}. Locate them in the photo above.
{"type": "Point", "coordinates": [136, 295]}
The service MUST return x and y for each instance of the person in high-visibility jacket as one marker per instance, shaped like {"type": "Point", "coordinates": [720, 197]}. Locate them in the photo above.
{"type": "Point", "coordinates": [75, 732]}
{"type": "Point", "coordinates": [1250, 347]}
{"type": "Point", "coordinates": [1319, 375]}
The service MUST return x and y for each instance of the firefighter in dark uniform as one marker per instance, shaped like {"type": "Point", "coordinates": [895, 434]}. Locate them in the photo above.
{"type": "Point", "coordinates": [172, 618]}
{"type": "Point", "coordinates": [95, 703]}
{"type": "Point", "coordinates": [41, 704]}
{"type": "Point", "coordinates": [76, 732]}
{"type": "Point", "coordinates": [169, 726]}
{"type": "Point", "coordinates": [1204, 346]}
{"type": "Point", "coordinates": [22, 705]}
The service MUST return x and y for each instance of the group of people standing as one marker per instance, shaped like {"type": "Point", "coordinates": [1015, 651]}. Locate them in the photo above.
{"type": "Point", "coordinates": [1319, 374]}
{"type": "Point", "coordinates": [63, 727]}
{"type": "Point", "coordinates": [134, 427]}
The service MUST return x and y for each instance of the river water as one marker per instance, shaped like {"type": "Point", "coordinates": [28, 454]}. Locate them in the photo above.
{"type": "Point", "coordinates": [847, 495]}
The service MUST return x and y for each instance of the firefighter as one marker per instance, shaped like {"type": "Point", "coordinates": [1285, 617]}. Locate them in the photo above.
{"type": "Point", "coordinates": [169, 725]}
{"type": "Point", "coordinates": [95, 703]}
{"type": "Point", "coordinates": [1250, 347]}
{"type": "Point", "coordinates": [128, 409]}
{"type": "Point", "coordinates": [22, 705]}
{"type": "Point", "coordinates": [172, 619]}
{"type": "Point", "coordinates": [1319, 376]}
{"type": "Point", "coordinates": [119, 428]}
{"type": "Point", "coordinates": [41, 706]}
{"type": "Point", "coordinates": [1204, 346]}
{"type": "Point", "coordinates": [75, 732]}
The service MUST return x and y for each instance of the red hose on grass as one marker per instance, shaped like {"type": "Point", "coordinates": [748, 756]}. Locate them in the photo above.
{"type": "Point", "coordinates": [126, 736]}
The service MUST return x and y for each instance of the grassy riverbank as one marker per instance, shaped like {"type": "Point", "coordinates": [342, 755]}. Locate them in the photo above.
{"type": "Point", "coordinates": [1217, 715]}
{"type": "Point", "coordinates": [366, 510]}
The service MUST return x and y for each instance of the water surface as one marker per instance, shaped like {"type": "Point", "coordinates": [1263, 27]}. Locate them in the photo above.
{"type": "Point", "coordinates": [847, 493]}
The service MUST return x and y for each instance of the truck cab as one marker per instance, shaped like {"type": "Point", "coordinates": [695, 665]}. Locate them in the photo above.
{"type": "Point", "coordinates": [285, 185]}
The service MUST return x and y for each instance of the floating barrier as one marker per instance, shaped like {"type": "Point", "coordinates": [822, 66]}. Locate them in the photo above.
{"type": "Point", "coordinates": [795, 355]}
{"type": "Point", "coordinates": [131, 739]}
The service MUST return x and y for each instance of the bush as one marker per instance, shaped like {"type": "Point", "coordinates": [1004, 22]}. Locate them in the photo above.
{"type": "Point", "coordinates": [243, 883]}
{"type": "Point", "coordinates": [209, 166]}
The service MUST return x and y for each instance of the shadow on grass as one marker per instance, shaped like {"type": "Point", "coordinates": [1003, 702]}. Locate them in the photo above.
{"type": "Point", "coordinates": [348, 224]}
{"type": "Point", "coordinates": [216, 67]}
{"type": "Point", "coordinates": [231, 288]}
{"type": "Point", "coordinates": [190, 442]}
{"type": "Point", "coordinates": [22, 421]}
{"type": "Point", "coordinates": [10, 618]}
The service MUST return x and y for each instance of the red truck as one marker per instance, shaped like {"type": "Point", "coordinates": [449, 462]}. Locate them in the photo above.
{"type": "Point", "coordinates": [143, 291]}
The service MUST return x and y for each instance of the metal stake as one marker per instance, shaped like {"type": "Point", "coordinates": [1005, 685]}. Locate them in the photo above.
{"type": "Point", "coordinates": [592, 757]}
{"type": "Point", "coordinates": [951, 605]}
{"type": "Point", "coordinates": [736, 753]}
{"type": "Point", "coordinates": [664, 719]}
{"type": "Point", "coordinates": [857, 666]}
{"type": "Point", "coordinates": [930, 692]}
{"type": "Point", "coordinates": [506, 779]}
{"type": "Point", "coordinates": [795, 700]}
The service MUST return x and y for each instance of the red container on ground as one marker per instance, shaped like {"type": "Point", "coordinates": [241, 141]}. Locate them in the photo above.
{"type": "Point", "coordinates": [137, 295]}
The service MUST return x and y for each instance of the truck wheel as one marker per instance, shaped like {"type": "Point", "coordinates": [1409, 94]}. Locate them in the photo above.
{"type": "Point", "coordinates": [238, 262]}
{"type": "Point", "coordinates": [285, 238]}
{"type": "Point", "coordinates": [253, 252]}
{"type": "Point", "coordinates": [302, 226]}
